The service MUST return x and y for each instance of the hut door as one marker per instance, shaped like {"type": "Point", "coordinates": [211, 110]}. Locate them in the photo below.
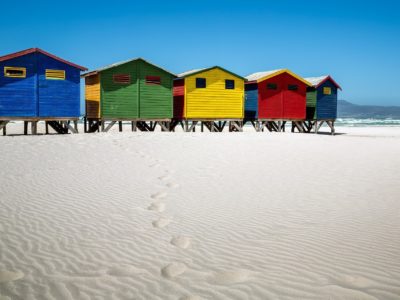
{"type": "Point", "coordinates": [273, 96]}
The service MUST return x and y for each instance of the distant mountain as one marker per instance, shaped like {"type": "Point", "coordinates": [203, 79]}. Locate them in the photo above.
{"type": "Point", "coordinates": [350, 110]}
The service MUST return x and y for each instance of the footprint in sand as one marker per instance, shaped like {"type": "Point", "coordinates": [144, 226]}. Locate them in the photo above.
{"type": "Point", "coordinates": [164, 177]}
{"type": "Point", "coordinates": [353, 281]}
{"type": "Point", "coordinates": [159, 195]}
{"type": "Point", "coordinates": [161, 222]}
{"type": "Point", "coordinates": [173, 270]}
{"type": "Point", "coordinates": [181, 242]}
{"type": "Point", "coordinates": [157, 206]}
{"type": "Point", "coordinates": [230, 277]}
{"type": "Point", "coordinates": [191, 298]}
{"type": "Point", "coordinates": [7, 276]}
{"type": "Point", "coordinates": [172, 185]}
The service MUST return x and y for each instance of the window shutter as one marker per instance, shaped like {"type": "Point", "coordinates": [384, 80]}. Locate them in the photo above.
{"type": "Point", "coordinates": [201, 83]}
{"type": "Point", "coordinates": [122, 78]}
{"type": "Point", "coordinates": [14, 72]}
{"type": "Point", "coordinates": [55, 74]}
{"type": "Point", "coordinates": [327, 91]}
{"type": "Point", "coordinates": [153, 80]}
{"type": "Point", "coordinates": [229, 84]}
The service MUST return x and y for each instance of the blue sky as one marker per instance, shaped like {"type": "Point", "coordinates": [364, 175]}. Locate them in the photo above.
{"type": "Point", "coordinates": [357, 42]}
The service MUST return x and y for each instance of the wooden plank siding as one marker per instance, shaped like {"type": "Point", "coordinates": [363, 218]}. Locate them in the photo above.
{"type": "Point", "coordinates": [156, 100]}
{"type": "Point", "coordinates": [58, 97]}
{"type": "Point", "coordinates": [282, 103]}
{"type": "Point", "coordinates": [327, 104]}
{"type": "Point", "coordinates": [214, 101]}
{"type": "Point", "coordinates": [92, 96]}
{"type": "Point", "coordinates": [311, 103]}
{"type": "Point", "coordinates": [18, 96]}
{"type": "Point", "coordinates": [119, 100]}
{"type": "Point", "coordinates": [179, 98]}
{"type": "Point", "coordinates": [40, 93]}
{"type": "Point", "coordinates": [135, 89]}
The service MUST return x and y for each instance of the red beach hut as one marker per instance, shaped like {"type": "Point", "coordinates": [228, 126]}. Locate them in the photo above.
{"type": "Point", "coordinates": [280, 95]}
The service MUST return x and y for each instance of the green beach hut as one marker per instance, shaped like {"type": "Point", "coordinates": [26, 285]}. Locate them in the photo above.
{"type": "Point", "coordinates": [134, 90]}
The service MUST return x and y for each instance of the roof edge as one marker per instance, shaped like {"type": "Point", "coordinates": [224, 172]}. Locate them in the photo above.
{"type": "Point", "coordinates": [34, 50]}
{"type": "Point", "coordinates": [210, 68]}
{"type": "Point", "coordinates": [99, 70]}
{"type": "Point", "coordinates": [284, 71]}
{"type": "Point", "coordinates": [331, 79]}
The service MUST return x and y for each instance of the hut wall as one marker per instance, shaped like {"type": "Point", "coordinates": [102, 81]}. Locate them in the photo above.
{"type": "Point", "coordinates": [214, 101]}
{"type": "Point", "coordinates": [282, 102]}
{"type": "Point", "coordinates": [92, 96]}
{"type": "Point", "coordinates": [251, 101]}
{"type": "Point", "coordinates": [179, 98]}
{"type": "Point", "coordinates": [327, 104]}
{"type": "Point", "coordinates": [58, 97]}
{"type": "Point", "coordinates": [311, 110]}
{"type": "Point", "coordinates": [18, 96]}
{"type": "Point", "coordinates": [155, 100]}
{"type": "Point", "coordinates": [120, 100]}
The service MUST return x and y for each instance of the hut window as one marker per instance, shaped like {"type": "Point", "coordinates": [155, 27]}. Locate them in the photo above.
{"type": "Point", "coordinates": [272, 86]}
{"type": "Point", "coordinates": [293, 87]}
{"type": "Point", "coordinates": [14, 72]}
{"type": "Point", "coordinates": [229, 84]}
{"type": "Point", "coordinates": [153, 80]}
{"type": "Point", "coordinates": [200, 83]}
{"type": "Point", "coordinates": [55, 74]}
{"type": "Point", "coordinates": [122, 78]}
{"type": "Point", "coordinates": [327, 91]}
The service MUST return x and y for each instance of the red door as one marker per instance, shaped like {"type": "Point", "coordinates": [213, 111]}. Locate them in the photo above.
{"type": "Point", "coordinates": [294, 98]}
{"type": "Point", "coordinates": [270, 98]}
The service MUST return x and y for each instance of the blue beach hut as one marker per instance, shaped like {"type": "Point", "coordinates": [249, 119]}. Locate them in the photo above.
{"type": "Point", "coordinates": [321, 102]}
{"type": "Point", "coordinates": [36, 85]}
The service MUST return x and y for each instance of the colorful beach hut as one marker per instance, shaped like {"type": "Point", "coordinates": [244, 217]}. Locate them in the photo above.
{"type": "Point", "coordinates": [275, 96]}
{"type": "Point", "coordinates": [212, 96]}
{"type": "Point", "coordinates": [321, 102]}
{"type": "Point", "coordinates": [134, 90]}
{"type": "Point", "coordinates": [36, 85]}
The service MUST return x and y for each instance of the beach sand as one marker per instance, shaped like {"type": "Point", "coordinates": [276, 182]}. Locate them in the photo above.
{"type": "Point", "coordinates": [201, 215]}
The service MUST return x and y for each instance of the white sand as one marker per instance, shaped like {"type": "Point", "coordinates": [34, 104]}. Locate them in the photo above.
{"type": "Point", "coordinates": [201, 216]}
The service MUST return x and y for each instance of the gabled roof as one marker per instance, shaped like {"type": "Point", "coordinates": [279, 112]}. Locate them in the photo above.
{"type": "Point", "coordinates": [197, 71]}
{"type": "Point", "coordinates": [122, 63]}
{"type": "Point", "coordinates": [261, 76]}
{"type": "Point", "coordinates": [34, 50]}
{"type": "Point", "coordinates": [317, 81]}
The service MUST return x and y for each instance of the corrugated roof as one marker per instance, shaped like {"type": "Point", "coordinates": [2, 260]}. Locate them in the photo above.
{"type": "Point", "coordinates": [261, 76]}
{"type": "Point", "coordinates": [196, 71]}
{"type": "Point", "coordinates": [317, 81]}
{"type": "Point", "coordinates": [122, 63]}
{"type": "Point", "coordinates": [33, 50]}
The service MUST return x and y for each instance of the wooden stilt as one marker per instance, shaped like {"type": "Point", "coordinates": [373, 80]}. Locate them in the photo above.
{"type": "Point", "coordinates": [34, 127]}
{"type": "Point", "coordinates": [76, 126]}
{"type": "Point", "coordinates": [25, 127]}
{"type": "Point", "coordinates": [102, 125]}
{"type": "Point", "coordinates": [109, 126]}
{"type": "Point", "coordinates": [47, 127]}
{"type": "Point", "coordinates": [120, 126]}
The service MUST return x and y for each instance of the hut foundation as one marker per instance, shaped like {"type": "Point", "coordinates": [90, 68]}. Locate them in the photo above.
{"type": "Point", "coordinates": [59, 125]}
{"type": "Point", "coordinates": [142, 125]}
{"type": "Point", "coordinates": [315, 125]}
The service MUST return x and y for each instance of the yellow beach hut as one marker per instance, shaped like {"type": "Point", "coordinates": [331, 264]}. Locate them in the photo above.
{"type": "Point", "coordinates": [212, 97]}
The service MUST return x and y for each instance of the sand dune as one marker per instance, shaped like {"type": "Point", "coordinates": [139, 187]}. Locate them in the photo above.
{"type": "Point", "coordinates": [201, 216]}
